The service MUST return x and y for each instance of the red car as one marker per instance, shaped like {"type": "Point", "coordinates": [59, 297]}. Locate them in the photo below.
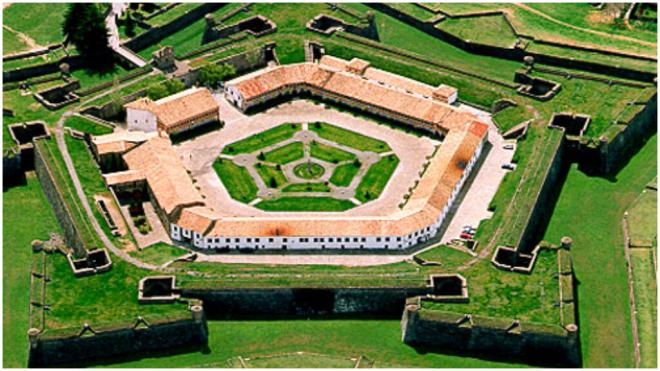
{"type": "Point", "coordinates": [466, 235]}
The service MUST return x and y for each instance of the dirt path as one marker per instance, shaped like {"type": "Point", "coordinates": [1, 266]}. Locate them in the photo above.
{"type": "Point", "coordinates": [599, 33]}
{"type": "Point", "coordinates": [25, 38]}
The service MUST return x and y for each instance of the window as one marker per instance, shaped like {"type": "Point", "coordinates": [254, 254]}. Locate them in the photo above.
{"type": "Point", "coordinates": [398, 239]}
{"type": "Point", "coordinates": [237, 240]}
{"type": "Point", "coordinates": [249, 240]}
{"type": "Point", "coordinates": [377, 239]}
{"type": "Point", "coordinates": [363, 239]}
{"type": "Point", "coordinates": [387, 239]}
{"type": "Point", "coordinates": [355, 239]}
{"type": "Point", "coordinates": [270, 240]}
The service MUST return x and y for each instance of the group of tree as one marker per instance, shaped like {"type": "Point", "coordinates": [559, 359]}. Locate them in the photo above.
{"type": "Point", "coordinates": [84, 27]}
{"type": "Point", "coordinates": [165, 89]}
{"type": "Point", "coordinates": [213, 74]}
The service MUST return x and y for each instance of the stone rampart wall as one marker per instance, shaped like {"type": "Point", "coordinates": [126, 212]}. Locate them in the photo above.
{"type": "Point", "coordinates": [20, 74]}
{"type": "Point", "coordinates": [56, 199]}
{"type": "Point", "coordinates": [304, 301]}
{"type": "Point", "coordinates": [49, 351]}
{"type": "Point", "coordinates": [156, 34]}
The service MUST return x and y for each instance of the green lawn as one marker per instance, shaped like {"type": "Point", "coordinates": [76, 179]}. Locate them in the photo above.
{"type": "Point", "coordinates": [306, 187]}
{"type": "Point", "coordinates": [642, 217]}
{"type": "Point", "coordinates": [344, 174]}
{"type": "Point", "coordinates": [134, 86]}
{"type": "Point", "coordinates": [89, 77]}
{"type": "Point", "coordinates": [159, 253]}
{"type": "Point", "coordinates": [348, 138]}
{"type": "Point", "coordinates": [511, 116]}
{"type": "Point", "coordinates": [268, 173]}
{"type": "Point", "coordinates": [376, 178]}
{"type": "Point", "coordinates": [309, 170]}
{"type": "Point", "coordinates": [377, 339]}
{"type": "Point", "coordinates": [86, 125]}
{"type": "Point", "coordinates": [40, 21]}
{"type": "Point", "coordinates": [236, 179]}
{"type": "Point", "coordinates": [329, 153]}
{"type": "Point", "coordinates": [285, 154]}
{"type": "Point", "coordinates": [305, 204]}
{"type": "Point", "coordinates": [22, 207]}
{"type": "Point", "coordinates": [172, 14]}
{"type": "Point", "coordinates": [264, 139]}
{"type": "Point", "coordinates": [489, 30]}
{"type": "Point", "coordinates": [590, 211]}
{"type": "Point", "coordinates": [445, 255]}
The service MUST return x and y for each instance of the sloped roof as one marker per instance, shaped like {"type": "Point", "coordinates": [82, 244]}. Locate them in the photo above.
{"type": "Point", "coordinates": [164, 173]}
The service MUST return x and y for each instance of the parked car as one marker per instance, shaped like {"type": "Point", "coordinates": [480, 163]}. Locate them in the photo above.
{"type": "Point", "coordinates": [508, 167]}
{"type": "Point", "coordinates": [466, 236]}
{"type": "Point", "coordinates": [508, 146]}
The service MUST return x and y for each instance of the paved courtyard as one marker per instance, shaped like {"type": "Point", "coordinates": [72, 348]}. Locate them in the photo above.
{"type": "Point", "coordinates": [199, 154]}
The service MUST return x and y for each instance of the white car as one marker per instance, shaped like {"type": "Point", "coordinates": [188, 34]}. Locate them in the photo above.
{"type": "Point", "coordinates": [508, 146]}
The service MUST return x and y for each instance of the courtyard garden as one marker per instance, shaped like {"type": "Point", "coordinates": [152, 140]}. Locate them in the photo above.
{"type": "Point", "coordinates": [280, 169]}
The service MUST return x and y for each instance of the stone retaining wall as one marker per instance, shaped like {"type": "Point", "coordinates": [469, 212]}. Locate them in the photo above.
{"type": "Point", "coordinates": [56, 199]}
{"type": "Point", "coordinates": [305, 301]}
{"type": "Point", "coordinates": [87, 346]}
{"type": "Point", "coordinates": [20, 74]}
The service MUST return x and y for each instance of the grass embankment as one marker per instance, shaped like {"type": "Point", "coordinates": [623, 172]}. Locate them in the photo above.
{"type": "Point", "coordinates": [496, 293]}
{"type": "Point", "coordinates": [349, 138]}
{"type": "Point", "coordinates": [329, 153]}
{"type": "Point", "coordinates": [271, 175]}
{"type": "Point", "coordinates": [158, 253]}
{"type": "Point", "coordinates": [517, 193]}
{"type": "Point", "coordinates": [236, 179]}
{"type": "Point", "coordinates": [86, 125]}
{"type": "Point", "coordinates": [376, 178]}
{"type": "Point", "coordinates": [642, 222]}
{"type": "Point", "coordinates": [171, 14]}
{"type": "Point", "coordinates": [590, 210]}
{"type": "Point", "coordinates": [285, 154]}
{"type": "Point", "coordinates": [343, 174]}
{"type": "Point", "coordinates": [27, 215]}
{"type": "Point", "coordinates": [305, 204]}
{"type": "Point", "coordinates": [264, 139]}
{"type": "Point", "coordinates": [89, 77]}
{"type": "Point", "coordinates": [133, 87]}
{"type": "Point", "coordinates": [490, 30]}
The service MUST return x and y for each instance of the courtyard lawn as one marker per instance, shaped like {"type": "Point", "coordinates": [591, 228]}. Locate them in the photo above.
{"type": "Point", "coordinates": [305, 204]}
{"type": "Point", "coordinates": [271, 175]}
{"type": "Point", "coordinates": [306, 187]}
{"type": "Point", "coordinates": [349, 138]}
{"type": "Point", "coordinates": [329, 153]}
{"type": "Point", "coordinates": [589, 210]}
{"type": "Point", "coordinates": [86, 125]}
{"type": "Point", "coordinates": [343, 174]}
{"type": "Point", "coordinates": [260, 140]}
{"type": "Point", "coordinates": [236, 179]}
{"type": "Point", "coordinates": [285, 154]}
{"type": "Point", "coordinates": [40, 21]}
{"type": "Point", "coordinates": [490, 30]}
{"type": "Point", "coordinates": [376, 178]}
{"type": "Point", "coordinates": [158, 253]}
{"type": "Point", "coordinates": [27, 216]}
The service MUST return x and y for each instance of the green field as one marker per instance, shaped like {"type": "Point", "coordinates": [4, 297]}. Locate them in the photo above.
{"type": "Point", "coordinates": [305, 204]}
{"type": "Point", "coordinates": [89, 77]}
{"type": "Point", "coordinates": [349, 138]}
{"type": "Point", "coordinates": [268, 173]}
{"type": "Point", "coordinates": [490, 30]}
{"type": "Point", "coordinates": [343, 174]}
{"type": "Point", "coordinates": [172, 14]}
{"type": "Point", "coordinates": [86, 125]}
{"type": "Point", "coordinates": [285, 154]}
{"type": "Point", "coordinates": [11, 43]}
{"type": "Point", "coordinates": [236, 179]}
{"type": "Point", "coordinates": [646, 304]}
{"type": "Point", "coordinates": [264, 139]}
{"type": "Point", "coordinates": [40, 21]}
{"type": "Point", "coordinates": [590, 211]}
{"type": "Point", "coordinates": [306, 187]}
{"type": "Point", "coordinates": [329, 153]}
{"type": "Point", "coordinates": [376, 178]}
{"type": "Point", "coordinates": [22, 206]}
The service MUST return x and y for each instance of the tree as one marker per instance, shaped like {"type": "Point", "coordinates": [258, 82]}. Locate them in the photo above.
{"type": "Point", "coordinates": [130, 23]}
{"type": "Point", "coordinates": [212, 74]}
{"type": "Point", "coordinates": [165, 89]}
{"type": "Point", "coordinates": [261, 156]}
{"type": "Point", "coordinates": [357, 163]}
{"type": "Point", "coordinates": [84, 27]}
{"type": "Point", "coordinates": [273, 183]}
